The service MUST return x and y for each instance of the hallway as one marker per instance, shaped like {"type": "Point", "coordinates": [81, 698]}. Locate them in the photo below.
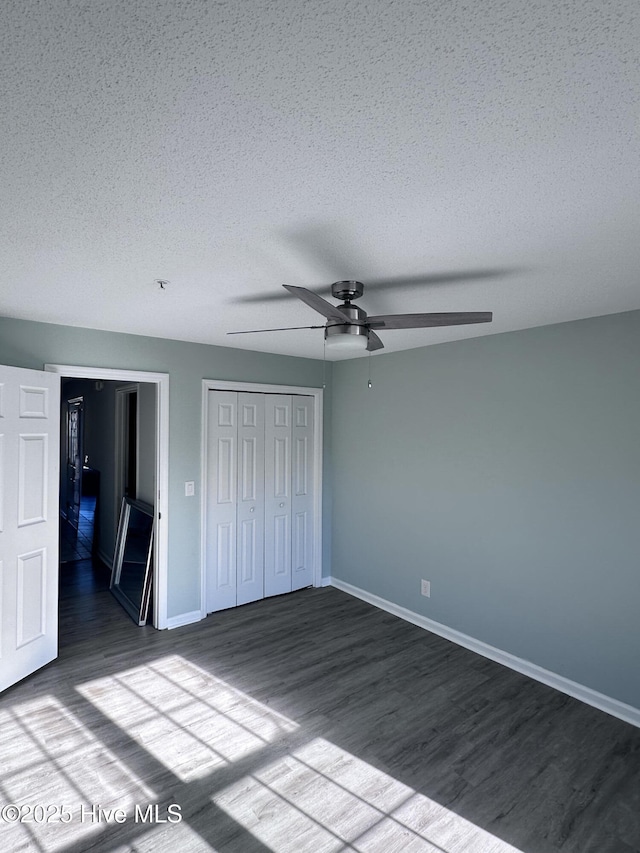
{"type": "Point", "coordinates": [78, 544]}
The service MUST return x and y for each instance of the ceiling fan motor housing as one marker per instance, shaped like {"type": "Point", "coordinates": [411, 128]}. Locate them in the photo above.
{"type": "Point", "coordinates": [347, 290]}
{"type": "Point", "coordinates": [356, 326]}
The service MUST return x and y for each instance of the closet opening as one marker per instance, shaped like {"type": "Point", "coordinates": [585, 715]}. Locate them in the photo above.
{"type": "Point", "coordinates": [262, 455]}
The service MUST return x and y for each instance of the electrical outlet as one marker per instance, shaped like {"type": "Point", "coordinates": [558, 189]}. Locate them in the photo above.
{"type": "Point", "coordinates": [189, 488]}
{"type": "Point", "coordinates": [425, 588]}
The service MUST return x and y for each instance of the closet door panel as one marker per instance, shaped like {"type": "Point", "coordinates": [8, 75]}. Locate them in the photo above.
{"type": "Point", "coordinates": [222, 478]}
{"type": "Point", "coordinates": [302, 492]}
{"type": "Point", "coordinates": [250, 504]}
{"type": "Point", "coordinates": [260, 496]}
{"type": "Point", "coordinates": [277, 565]}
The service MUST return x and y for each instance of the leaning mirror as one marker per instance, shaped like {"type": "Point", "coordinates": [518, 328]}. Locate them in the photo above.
{"type": "Point", "coordinates": [133, 560]}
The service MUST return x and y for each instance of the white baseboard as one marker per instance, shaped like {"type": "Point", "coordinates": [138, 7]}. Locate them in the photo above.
{"type": "Point", "coordinates": [585, 694]}
{"type": "Point", "coordinates": [173, 621]}
{"type": "Point", "coordinates": [183, 619]}
{"type": "Point", "coordinates": [326, 582]}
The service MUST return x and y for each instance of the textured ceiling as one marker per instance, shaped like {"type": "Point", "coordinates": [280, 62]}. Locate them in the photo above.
{"type": "Point", "coordinates": [231, 147]}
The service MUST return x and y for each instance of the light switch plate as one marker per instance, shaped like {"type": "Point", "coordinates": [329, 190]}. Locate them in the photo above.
{"type": "Point", "coordinates": [189, 488]}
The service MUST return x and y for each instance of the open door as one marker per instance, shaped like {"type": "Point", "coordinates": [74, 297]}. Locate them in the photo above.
{"type": "Point", "coordinates": [29, 470]}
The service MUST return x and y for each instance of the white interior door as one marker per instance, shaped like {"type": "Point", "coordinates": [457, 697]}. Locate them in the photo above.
{"type": "Point", "coordinates": [222, 481]}
{"type": "Point", "coordinates": [302, 492]}
{"type": "Point", "coordinates": [277, 503]}
{"type": "Point", "coordinates": [250, 510]}
{"type": "Point", "coordinates": [29, 472]}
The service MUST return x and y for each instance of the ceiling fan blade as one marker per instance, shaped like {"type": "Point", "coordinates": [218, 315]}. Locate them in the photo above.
{"type": "Point", "coordinates": [317, 303]}
{"type": "Point", "coordinates": [273, 296]}
{"type": "Point", "coordinates": [407, 282]}
{"type": "Point", "coordinates": [283, 329]}
{"type": "Point", "coordinates": [423, 321]}
{"type": "Point", "coordinates": [374, 342]}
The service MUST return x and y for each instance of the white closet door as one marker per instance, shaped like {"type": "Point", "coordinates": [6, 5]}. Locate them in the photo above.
{"type": "Point", "coordinates": [302, 492]}
{"type": "Point", "coordinates": [222, 480]}
{"type": "Point", "coordinates": [250, 509]}
{"type": "Point", "coordinates": [277, 504]}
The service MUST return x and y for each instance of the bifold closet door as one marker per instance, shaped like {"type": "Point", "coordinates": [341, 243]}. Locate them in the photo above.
{"type": "Point", "coordinates": [259, 524]}
{"type": "Point", "coordinates": [235, 499]}
{"type": "Point", "coordinates": [288, 493]}
{"type": "Point", "coordinates": [222, 487]}
{"type": "Point", "coordinates": [250, 501]}
{"type": "Point", "coordinates": [277, 502]}
{"type": "Point", "coordinates": [301, 492]}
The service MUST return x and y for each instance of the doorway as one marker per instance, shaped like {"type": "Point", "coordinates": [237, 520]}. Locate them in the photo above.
{"type": "Point", "coordinates": [159, 383]}
{"type": "Point", "coordinates": [76, 521]}
{"type": "Point", "coordinates": [77, 510]}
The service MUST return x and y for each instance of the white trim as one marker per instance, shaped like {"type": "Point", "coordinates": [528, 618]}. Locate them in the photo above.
{"type": "Point", "coordinates": [585, 694]}
{"type": "Point", "coordinates": [183, 619]}
{"type": "Point", "coordinates": [260, 388]}
{"type": "Point", "coordinates": [161, 380]}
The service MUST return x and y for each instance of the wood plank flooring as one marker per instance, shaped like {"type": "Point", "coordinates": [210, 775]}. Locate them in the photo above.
{"type": "Point", "coordinates": [309, 722]}
{"type": "Point", "coordinates": [78, 544]}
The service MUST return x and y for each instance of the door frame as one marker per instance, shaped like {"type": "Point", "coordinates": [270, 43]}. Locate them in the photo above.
{"type": "Point", "coordinates": [260, 388]}
{"type": "Point", "coordinates": [161, 519]}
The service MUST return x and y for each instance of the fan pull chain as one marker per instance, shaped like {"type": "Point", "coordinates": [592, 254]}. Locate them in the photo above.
{"type": "Point", "coordinates": [369, 383]}
{"type": "Point", "coordinates": [324, 362]}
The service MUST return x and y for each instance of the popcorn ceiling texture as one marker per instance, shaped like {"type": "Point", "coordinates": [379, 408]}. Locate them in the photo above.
{"type": "Point", "coordinates": [232, 147]}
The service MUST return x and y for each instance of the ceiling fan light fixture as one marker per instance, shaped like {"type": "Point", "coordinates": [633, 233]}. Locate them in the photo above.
{"type": "Point", "coordinates": [347, 338]}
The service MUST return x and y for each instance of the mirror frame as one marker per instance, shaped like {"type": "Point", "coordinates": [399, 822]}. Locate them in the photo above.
{"type": "Point", "coordinates": [137, 612]}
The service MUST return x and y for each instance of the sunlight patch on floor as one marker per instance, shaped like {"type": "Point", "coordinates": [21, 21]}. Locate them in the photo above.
{"type": "Point", "coordinates": [242, 775]}
{"type": "Point", "coordinates": [322, 798]}
{"type": "Point", "coordinates": [50, 757]}
{"type": "Point", "coordinates": [189, 720]}
{"type": "Point", "coordinates": [178, 837]}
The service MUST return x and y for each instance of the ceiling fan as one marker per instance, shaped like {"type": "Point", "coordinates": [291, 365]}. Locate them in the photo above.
{"type": "Point", "coordinates": [348, 326]}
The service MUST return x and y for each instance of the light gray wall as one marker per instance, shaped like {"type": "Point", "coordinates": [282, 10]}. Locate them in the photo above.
{"type": "Point", "coordinates": [505, 470]}
{"type": "Point", "coordinates": [28, 344]}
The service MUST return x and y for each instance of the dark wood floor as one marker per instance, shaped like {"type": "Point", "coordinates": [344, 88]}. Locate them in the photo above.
{"type": "Point", "coordinates": [77, 544]}
{"type": "Point", "coordinates": [308, 722]}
